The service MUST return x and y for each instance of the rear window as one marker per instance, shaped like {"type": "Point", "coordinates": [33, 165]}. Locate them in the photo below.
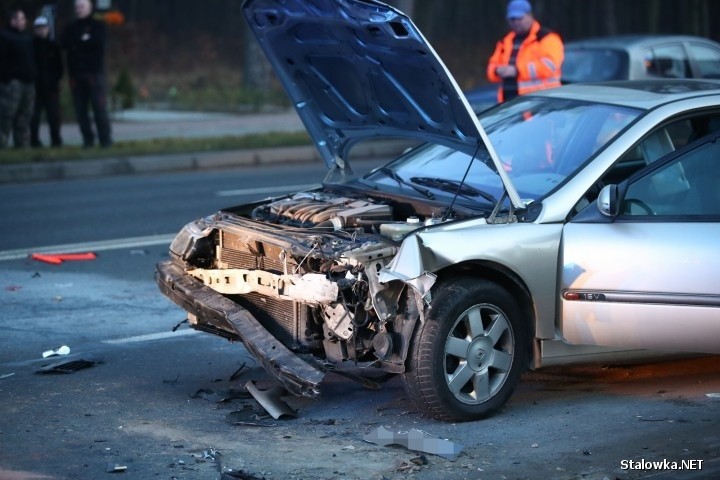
{"type": "Point", "coordinates": [594, 65]}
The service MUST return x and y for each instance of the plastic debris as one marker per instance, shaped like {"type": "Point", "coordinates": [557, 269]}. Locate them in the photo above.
{"type": "Point", "coordinates": [71, 366]}
{"type": "Point", "coordinates": [211, 454]}
{"type": "Point", "coordinates": [64, 350]}
{"type": "Point", "coordinates": [6, 375]}
{"type": "Point", "coordinates": [115, 468]}
{"type": "Point", "coordinates": [712, 395]}
{"type": "Point", "coordinates": [58, 258]}
{"type": "Point", "coordinates": [270, 400]}
{"type": "Point", "coordinates": [416, 440]}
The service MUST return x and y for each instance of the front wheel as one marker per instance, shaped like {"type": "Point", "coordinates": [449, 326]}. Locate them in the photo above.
{"type": "Point", "coordinates": [465, 360]}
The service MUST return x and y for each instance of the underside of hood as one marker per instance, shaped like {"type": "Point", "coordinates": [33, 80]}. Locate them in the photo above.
{"type": "Point", "coordinates": [360, 69]}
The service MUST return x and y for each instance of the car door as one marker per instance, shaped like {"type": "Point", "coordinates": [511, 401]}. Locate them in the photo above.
{"type": "Point", "coordinates": [649, 276]}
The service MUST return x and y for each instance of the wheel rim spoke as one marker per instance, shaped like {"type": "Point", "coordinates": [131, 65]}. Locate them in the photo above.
{"type": "Point", "coordinates": [459, 378]}
{"type": "Point", "coordinates": [474, 322]}
{"type": "Point", "coordinates": [481, 385]}
{"type": "Point", "coordinates": [501, 361]}
{"type": "Point", "coordinates": [498, 327]}
{"type": "Point", "coordinates": [457, 347]}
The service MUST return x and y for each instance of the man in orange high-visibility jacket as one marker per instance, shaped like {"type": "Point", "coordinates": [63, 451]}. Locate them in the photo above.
{"type": "Point", "coordinates": [528, 58]}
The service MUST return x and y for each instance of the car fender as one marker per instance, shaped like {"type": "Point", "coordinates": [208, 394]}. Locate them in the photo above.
{"type": "Point", "coordinates": [529, 250]}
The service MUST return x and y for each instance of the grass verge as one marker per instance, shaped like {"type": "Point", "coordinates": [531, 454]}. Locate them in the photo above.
{"type": "Point", "coordinates": [156, 147]}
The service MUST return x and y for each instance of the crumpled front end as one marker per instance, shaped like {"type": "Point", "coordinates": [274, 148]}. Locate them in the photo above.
{"type": "Point", "coordinates": [298, 281]}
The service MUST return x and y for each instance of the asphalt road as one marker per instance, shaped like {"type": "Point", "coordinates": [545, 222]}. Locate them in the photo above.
{"type": "Point", "coordinates": [141, 404]}
{"type": "Point", "coordinates": [111, 208]}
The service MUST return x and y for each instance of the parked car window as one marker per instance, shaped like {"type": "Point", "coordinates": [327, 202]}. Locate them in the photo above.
{"type": "Point", "coordinates": [669, 61]}
{"type": "Point", "coordinates": [707, 60]}
{"type": "Point", "coordinates": [593, 65]}
{"type": "Point", "coordinates": [688, 186]}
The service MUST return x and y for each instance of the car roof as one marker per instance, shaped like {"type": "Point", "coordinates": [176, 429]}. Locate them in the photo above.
{"type": "Point", "coordinates": [626, 42]}
{"type": "Point", "coordinates": [644, 94]}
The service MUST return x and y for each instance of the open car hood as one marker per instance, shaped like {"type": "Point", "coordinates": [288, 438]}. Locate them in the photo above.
{"type": "Point", "coordinates": [359, 69]}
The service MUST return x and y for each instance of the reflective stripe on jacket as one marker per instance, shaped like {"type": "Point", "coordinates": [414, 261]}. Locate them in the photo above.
{"type": "Point", "coordinates": [538, 60]}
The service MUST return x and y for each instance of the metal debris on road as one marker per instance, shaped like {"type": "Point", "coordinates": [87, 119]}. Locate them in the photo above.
{"type": "Point", "coordinates": [220, 396]}
{"type": "Point", "coordinates": [115, 468]}
{"type": "Point", "coordinates": [270, 400]}
{"type": "Point", "coordinates": [416, 440]}
{"type": "Point", "coordinates": [243, 418]}
{"type": "Point", "coordinates": [240, 474]}
{"type": "Point", "coordinates": [64, 350]}
{"type": "Point", "coordinates": [71, 366]}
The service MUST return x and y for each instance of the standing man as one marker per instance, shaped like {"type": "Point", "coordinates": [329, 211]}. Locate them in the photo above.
{"type": "Point", "coordinates": [48, 60]}
{"type": "Point", "coordinates": [17, 81]}
{"type": "Point", "coordinates": [84, 42]}
{"type": "Point", "coordinates": [528, 58]}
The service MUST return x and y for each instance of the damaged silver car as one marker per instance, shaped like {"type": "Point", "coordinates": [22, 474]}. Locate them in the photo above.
{"type": "Point", "coordinates": [501, 243]}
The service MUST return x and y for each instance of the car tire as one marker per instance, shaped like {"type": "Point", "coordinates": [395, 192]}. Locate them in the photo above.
{"type": "Point", "coordinates": [466, 358]}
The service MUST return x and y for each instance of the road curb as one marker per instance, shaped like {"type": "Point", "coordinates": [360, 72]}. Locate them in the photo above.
{"type": "Point", "coordinates": [73, 169]}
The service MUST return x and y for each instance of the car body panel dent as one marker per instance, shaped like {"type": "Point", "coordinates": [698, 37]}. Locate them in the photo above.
{"type": "Point", "coordinates": [527, 250]}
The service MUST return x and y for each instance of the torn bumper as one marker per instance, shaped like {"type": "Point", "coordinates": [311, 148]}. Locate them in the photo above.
{"type": "Point", "coordinates": [214, 309]}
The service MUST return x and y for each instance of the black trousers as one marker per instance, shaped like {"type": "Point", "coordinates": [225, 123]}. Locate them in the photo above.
{"type": "Point", "coordinates": [90, 91]}
{"type": "Point", "coordinates": [48, 101]}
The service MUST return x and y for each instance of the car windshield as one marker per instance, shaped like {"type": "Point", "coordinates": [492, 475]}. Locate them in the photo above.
{"type": "Point", "coordinates": [594, 65]}
{"type": "Point", "coordinates": [540, 142]}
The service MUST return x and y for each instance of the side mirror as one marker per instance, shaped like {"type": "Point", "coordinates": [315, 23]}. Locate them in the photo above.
{"type": "Point", "coordinates": [608, 202]}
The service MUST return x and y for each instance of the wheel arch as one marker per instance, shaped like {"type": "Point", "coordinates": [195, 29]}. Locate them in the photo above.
{"type": "Point", "coordinates": [507, 279]}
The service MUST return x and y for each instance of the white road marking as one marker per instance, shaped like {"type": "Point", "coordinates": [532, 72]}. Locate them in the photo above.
{"type": "Point", "coordinates": [99, 246]}
{"type": "Point", "coordinates": [263, 190]}
{"type": "Point", "coordinates": [152, 336]}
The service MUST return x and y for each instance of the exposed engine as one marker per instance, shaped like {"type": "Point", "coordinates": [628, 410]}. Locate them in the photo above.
{"type": "Point", "coordinates": [307, 267]}
{"type": "Point", "coordinates": [309, 209]}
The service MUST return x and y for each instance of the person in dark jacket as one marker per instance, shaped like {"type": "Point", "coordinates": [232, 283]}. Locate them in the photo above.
{"type": "Point", "coordinates": [84, 42]}
{"type": "Point", "coordinates": [17, 81]}
{"type": "Point", "coordinates": [49, 65]}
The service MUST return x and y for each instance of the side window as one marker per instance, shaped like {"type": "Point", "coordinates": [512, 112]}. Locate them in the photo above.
{"type": "Point", "coordinates": [707, 60]}
{"type": "Point", "coordinates": [669, 61]}
{"type": "Point", "coordinates": [687, 186]}
{"type": "Point", "coordinates": [660, 142]}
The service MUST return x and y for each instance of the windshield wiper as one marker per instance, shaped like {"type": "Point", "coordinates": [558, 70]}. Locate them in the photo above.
{"type": "Point", "coordinates": [454, 186]}
{"type": "Point", "coordinates": [392, 174]}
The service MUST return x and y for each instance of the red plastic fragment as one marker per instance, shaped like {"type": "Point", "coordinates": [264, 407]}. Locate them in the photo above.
{"type": "Point", "coordinates": [58, 258]}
